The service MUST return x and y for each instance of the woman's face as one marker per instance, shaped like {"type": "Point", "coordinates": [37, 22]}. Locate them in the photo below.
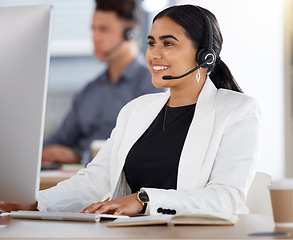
{"type": "Point", "coordinates": [170, 52]}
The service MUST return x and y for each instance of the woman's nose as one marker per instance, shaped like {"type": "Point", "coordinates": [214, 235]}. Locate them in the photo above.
{"type": "Point", "coordinates": [155, 52]}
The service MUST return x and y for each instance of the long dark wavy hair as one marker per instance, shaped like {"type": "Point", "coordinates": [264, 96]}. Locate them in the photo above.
{"type": "Point", "coordinates": [193, 21]}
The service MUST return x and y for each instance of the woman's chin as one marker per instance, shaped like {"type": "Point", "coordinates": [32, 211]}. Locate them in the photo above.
{"type": "Point", "coordinates": [160, 83]}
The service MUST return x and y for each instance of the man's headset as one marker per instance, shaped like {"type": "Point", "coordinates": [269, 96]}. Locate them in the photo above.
{"type": "Point", "coordinates": [205, 57]}
{"type": "Point", "coordinates": [128, 34]}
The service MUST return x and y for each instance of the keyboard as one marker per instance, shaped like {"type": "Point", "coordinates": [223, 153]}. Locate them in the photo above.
{"type": "Point", "coordinates": [63, 216]}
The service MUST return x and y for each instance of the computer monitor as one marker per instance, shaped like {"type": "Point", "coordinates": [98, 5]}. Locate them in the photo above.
{"type": "Point", "coordinates": [24, 62]}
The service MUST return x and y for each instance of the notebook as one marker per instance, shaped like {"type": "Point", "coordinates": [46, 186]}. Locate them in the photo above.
{"type": "Point", "coordinates": [208, 219]}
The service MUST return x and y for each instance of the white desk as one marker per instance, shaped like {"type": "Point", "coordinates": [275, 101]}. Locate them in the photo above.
{"type": "Point", "coordinates": [40, 229]}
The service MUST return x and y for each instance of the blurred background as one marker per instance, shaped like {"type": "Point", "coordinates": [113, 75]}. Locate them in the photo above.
{"type": "Point", "coordinates": [258, 49]}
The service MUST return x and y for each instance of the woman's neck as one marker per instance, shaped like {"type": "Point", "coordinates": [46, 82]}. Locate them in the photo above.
{"type": "Point", "coordinates": [185, 95]}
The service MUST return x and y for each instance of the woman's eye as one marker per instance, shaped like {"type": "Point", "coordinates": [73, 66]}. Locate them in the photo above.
{"type": "Point", "coordinates": [167, 43]}
{"type": "Point", "coordinates": [151, 44]}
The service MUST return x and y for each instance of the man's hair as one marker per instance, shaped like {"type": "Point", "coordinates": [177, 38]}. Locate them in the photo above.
{"type": "Point", "coordinates": [125, 9]}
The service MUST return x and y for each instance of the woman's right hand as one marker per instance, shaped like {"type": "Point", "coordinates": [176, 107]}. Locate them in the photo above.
{"type": "Point", "coordinates": [11, 206]}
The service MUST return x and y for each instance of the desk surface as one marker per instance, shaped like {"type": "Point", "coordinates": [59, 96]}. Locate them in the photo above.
{"type": "Point", "coordinates": [50, 178]}
{"type": "Point", "coordinates": [40, 229]}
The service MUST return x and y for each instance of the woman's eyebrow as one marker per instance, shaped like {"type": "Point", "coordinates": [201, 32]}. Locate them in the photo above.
{"type": "Point", "coordinates": [168, 36]}
{"type": "Point", "coordinates": [163, 37]}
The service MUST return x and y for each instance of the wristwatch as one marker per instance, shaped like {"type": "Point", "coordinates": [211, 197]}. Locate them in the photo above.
{"type": "Point", "coordinates": [142, 197]}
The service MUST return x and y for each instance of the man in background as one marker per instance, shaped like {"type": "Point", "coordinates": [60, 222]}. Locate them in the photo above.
{"type": "Point", "coordinates": [95, 108]}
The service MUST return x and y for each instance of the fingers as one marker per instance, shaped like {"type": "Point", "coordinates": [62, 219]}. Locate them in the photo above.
{"type": "Point", "coordinates": [92, 208]}
{"type": "Point", "coordinates": [108, 208]}
{"type": "Point", "coordinates": [101, 208]}
{"type": "Point", "coordinates": [118, 212]}
{"type": "Point", "coordinates": [11, 206]}
{"type": "Point", "coordinates": [8, 206]}
{"type": "Point", "coordinates": [127, 205]}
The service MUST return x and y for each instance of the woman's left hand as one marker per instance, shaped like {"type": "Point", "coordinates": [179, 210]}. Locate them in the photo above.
{"type": "Point", "coordinates": [127, 205]}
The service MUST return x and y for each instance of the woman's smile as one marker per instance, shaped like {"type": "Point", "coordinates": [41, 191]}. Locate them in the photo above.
{"type": "Point", "coordinates": [157, 68]}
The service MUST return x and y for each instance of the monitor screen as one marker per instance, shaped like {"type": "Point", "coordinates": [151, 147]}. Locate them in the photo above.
{"type": "Point", "coordinates": [24, 63]}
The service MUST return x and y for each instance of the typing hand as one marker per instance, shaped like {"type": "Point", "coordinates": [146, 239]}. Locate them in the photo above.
{"type": "Point", "coordinates": [10, 206]}
{"type": "Point", "coordinates": [127, 205]}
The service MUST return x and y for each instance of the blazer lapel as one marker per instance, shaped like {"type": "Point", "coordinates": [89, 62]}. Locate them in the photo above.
{"type": "Point", "coordinates": [198, 138]}
{"type": "Point", "coordinates": [138, 123]}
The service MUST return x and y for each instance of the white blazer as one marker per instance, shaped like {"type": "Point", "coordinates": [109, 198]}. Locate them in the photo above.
{"type": "Point", "coordinates": [216, 167]}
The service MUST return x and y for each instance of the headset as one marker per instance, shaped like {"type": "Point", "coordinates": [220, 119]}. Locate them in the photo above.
{"type": "Point", "coordinates": [205, 57]}
{"type": "Point", "coordinates": [131, 33]}
{"type": "Point", "coordinates": [204, 54]}
{"type": "Point", "coordinates": [128, 34]}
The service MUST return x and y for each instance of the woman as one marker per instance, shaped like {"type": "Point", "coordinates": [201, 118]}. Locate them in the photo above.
{"type": "Point", "coordinates": [190, 149]}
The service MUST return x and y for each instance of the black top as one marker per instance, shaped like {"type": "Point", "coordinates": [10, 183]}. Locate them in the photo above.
{"type": "Point", "coordinates": [153, 160]}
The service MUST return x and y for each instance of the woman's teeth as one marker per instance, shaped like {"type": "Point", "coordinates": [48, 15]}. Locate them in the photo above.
{"type": "Point", "coordinates": [157, 68]}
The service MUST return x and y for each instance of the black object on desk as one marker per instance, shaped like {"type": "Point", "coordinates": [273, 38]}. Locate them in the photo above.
{"type": "Point", "coordinates": [50, 166]}
{"type": "Point", "coordinates": [269, 234]}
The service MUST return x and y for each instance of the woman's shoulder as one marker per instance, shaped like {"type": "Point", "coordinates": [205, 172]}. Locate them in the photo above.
{"type": "Point", "coordinates": [236, 102]}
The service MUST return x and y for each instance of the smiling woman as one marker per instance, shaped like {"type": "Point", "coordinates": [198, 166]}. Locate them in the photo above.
{"type": "Point", "coordinates": [170, 52]}
{"type": "Point", "coordinates": [190, 149]}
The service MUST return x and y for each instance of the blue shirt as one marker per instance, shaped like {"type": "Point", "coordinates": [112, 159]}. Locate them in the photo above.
{"type": "Point", "coordinates": [96, 107]}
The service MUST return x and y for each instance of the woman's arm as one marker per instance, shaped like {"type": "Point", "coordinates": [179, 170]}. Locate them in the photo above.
{"type": "Point", "coordinates": [89, 185]}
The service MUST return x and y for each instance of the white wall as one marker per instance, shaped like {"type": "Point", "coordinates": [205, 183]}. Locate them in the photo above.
{"type": "Point", "coordinates": [253, 50]}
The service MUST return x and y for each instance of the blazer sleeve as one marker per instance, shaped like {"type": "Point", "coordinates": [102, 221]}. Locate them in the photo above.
{"type": "Point", "coordinates": [231, 174]}
{"type": "Point", "coordinates": [88, 186]}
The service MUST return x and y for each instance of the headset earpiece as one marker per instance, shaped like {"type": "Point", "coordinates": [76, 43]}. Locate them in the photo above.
{"type": "Point", "coordinates": [203, 55]}
{"type": "Point", "coordinates": [129, 34]}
